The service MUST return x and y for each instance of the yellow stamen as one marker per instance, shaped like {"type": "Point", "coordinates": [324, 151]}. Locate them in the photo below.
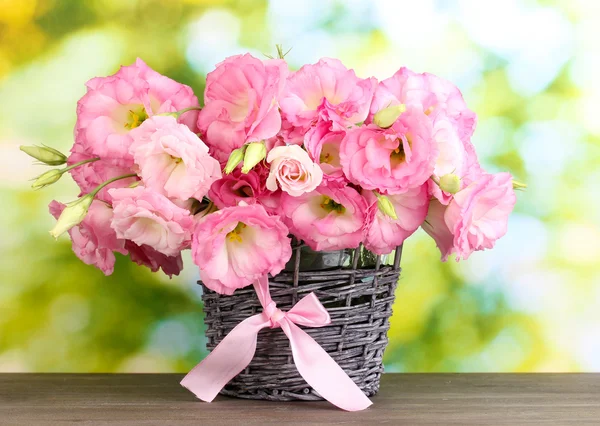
{"type": "Point", "coordinates": [331, 206]}
{"type": "Point", "coordinates": [235, 235]}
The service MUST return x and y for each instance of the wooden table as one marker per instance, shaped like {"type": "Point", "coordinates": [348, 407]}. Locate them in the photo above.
{"type": "Point", "coordinates": [404, 399]}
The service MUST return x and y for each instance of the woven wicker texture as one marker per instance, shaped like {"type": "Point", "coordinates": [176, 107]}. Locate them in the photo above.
{"type": "Point", "coordinates": [359, 300]}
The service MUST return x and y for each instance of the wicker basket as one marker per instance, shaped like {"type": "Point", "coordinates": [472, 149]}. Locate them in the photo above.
{"type": "Point", "coordinates": [357, 289]}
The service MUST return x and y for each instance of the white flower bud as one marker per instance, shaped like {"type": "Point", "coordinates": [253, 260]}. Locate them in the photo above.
{"type": "Point", "coordinates": [72, 215]}
{"type": "Point", "coordinates": [450, 183]}
{"type": "Point", "coordinates": [388, 116]}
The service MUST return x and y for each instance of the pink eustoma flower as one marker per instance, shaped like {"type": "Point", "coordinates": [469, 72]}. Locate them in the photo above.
{"type": "Point", "coordinates": [88, 176]}
{"type": "Point", "coordinates": [146, 256]}
{"type": "Point", "coordinates": [238, 187]}
{"type": "Point", "coordinates": [323, 146]}
{"type": "Point", "coordinates": [149, 218]}
{"type": "Point", "coordinates": [436, 227]}
{"type": "Point", "coordinates": [475, 219]}
{"type": "Point", "coordinates": [383, 233]}
{"type": "Point", "coordinates": [429, 93]}
{"type": "Point", "coordinates": [329, 218]}
{"type": "Point", "coordinates": [235, 246]}
{"type": "Point", "coordinates": [390, 160]}
{"type": "Point", "coordinates": [172, 160]}
{"type": "Point", "coordinates": [116, 104]}
{"type": "Point", "coordinates": [455, 156]}
{"type": "Point", "coordinates": [292, 170]}
{"type": "Point", "coordinates": [94, 241]}
{"type": "Point", "coordinates": [241, 103]}
{"type": "Point", "coordinates": [325, 91]}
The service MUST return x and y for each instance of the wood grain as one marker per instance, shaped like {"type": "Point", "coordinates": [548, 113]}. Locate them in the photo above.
{"type": "Point", "coordinates": [404, 399]}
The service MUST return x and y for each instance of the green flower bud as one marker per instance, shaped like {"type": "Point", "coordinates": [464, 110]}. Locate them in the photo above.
{"type": "Point", "coordinates": [450, 183]}
{"type": "Point", "coordinates": [72, 215]}
{"type": "Point", "coordinates": [255, 153]}
{"type": "Point", "coordinates": [385, 205]}
{"type": "Point", "coordinates": [235, 158]}
{"type": "Point", "coordinates": [518, 185]}
{"type": "Point", "coordinates": [47, 178]}
{"type": "Point", "coordinates": [388, 116]}
{"type": "Point", "coordinates": [45, 154]}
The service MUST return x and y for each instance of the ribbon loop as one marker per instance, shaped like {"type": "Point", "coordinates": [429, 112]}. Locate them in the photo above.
{"type": "Point", "coordinates": [237, 349]}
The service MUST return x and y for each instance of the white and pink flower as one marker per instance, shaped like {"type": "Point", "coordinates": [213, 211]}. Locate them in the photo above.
{"type": "Point", "coordinates": [329, 218]}
{"type": "Point", "coordinates": [383, 233]}
{"type": "Point", "coordinates": [455, 156]}
{"type": "Point", "coordinates": [116, 104]}
{"type": "Point", "coordinates": [172, 159]}
{"type": "Point", "coordinates": [475, 219]}
{"type": "Point", "coordinates": [429, 93]}
{"type": "Point", "coordinates": [325, 91]}
{"type": "Point", "coordinates": [149, 218]}
{"type": "Point", "coordinates": [94, 241]}
{"type": "Point", "coordinates": [237, 245]}
{"type": "Point", "coordinates": [390, 160]}
{"type": "Point", "coordinates": [241, 103]}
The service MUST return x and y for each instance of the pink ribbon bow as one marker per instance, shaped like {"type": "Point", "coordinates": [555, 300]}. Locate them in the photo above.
{"type": "Point", "coordinates": [315, 365]}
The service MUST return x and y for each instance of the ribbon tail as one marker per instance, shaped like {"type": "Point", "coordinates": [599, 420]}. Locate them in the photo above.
{"type": "Point", "coordinates": [226, 361]}
{"type": "Point", "coordinates": [321, 372]}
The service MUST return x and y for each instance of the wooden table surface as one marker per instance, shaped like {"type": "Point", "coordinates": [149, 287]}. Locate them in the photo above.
{"type": "Point", "coordinates": [404, 399]}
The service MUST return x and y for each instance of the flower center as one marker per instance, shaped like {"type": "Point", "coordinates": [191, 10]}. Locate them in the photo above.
{"type": "Point", "coordinates": [244, 191]}
{"type": "Point", "coordinates": [135, 117]}
{"type": "Point", "coordinates": [176, 160]}
{"type": "Point", "coordinates": [330, 154]}
{"type": "Point", "coordinates": [331, 206]}
{"type": "Point", "coordinates": [236, 234]}
{"type": "Point", "coordinates": [398, 155]}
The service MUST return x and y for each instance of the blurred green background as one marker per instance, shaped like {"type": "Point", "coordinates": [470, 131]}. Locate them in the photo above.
{"type": "Point", "coordinates": [529, 69]}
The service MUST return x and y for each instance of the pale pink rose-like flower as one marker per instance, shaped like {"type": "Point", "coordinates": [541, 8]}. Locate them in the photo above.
{"type": "Point", "coordinates": [329, 218]}
{"type": "Point", "coordinates": [325, 91]}
{"type": "Point", "coordinates": [235, 246]}
{"type": "Point", "coordinates": [390, 160]}
{"type": "Point", "coordinates": [94, 241]}
{"type": "Point", "coordinates": [116, 104]}
{"type": "Point", "coordinates": [172, 160]}
{"type": "Point", "coordinates": [323, 146]}
{"type": "Point", "coordinates": [292, 170]}
{"type": "Point", "coordinates": [146, 256]}
{"type": "Point", "coordinates": [476, 217]}
{"type": "Point", "coordinates": [241, 103]}
{"type": "Point", "coordinates": [384, 234]}
{"type": "Point", "coordinates": [428, 93]}
{"type": "Point", "coordinates": [149, 218]}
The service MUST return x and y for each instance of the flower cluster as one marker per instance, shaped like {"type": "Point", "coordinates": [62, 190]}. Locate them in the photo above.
{"type": "Point", "coordinates": [320, 154]}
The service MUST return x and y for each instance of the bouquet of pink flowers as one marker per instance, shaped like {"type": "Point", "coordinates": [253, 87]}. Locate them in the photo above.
{"type": "Point", "coordinates": [319, 154]}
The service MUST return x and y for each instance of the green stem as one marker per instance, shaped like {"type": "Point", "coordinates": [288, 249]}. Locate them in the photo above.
{"type": "Point", "coordinates": [108, 182]}
{"type": "Point", "coordinates": [435, 180]}
{"type": "Point", "coordinates": [81, 163]}
{"type": "Point", "coordinates": [183, 111]}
